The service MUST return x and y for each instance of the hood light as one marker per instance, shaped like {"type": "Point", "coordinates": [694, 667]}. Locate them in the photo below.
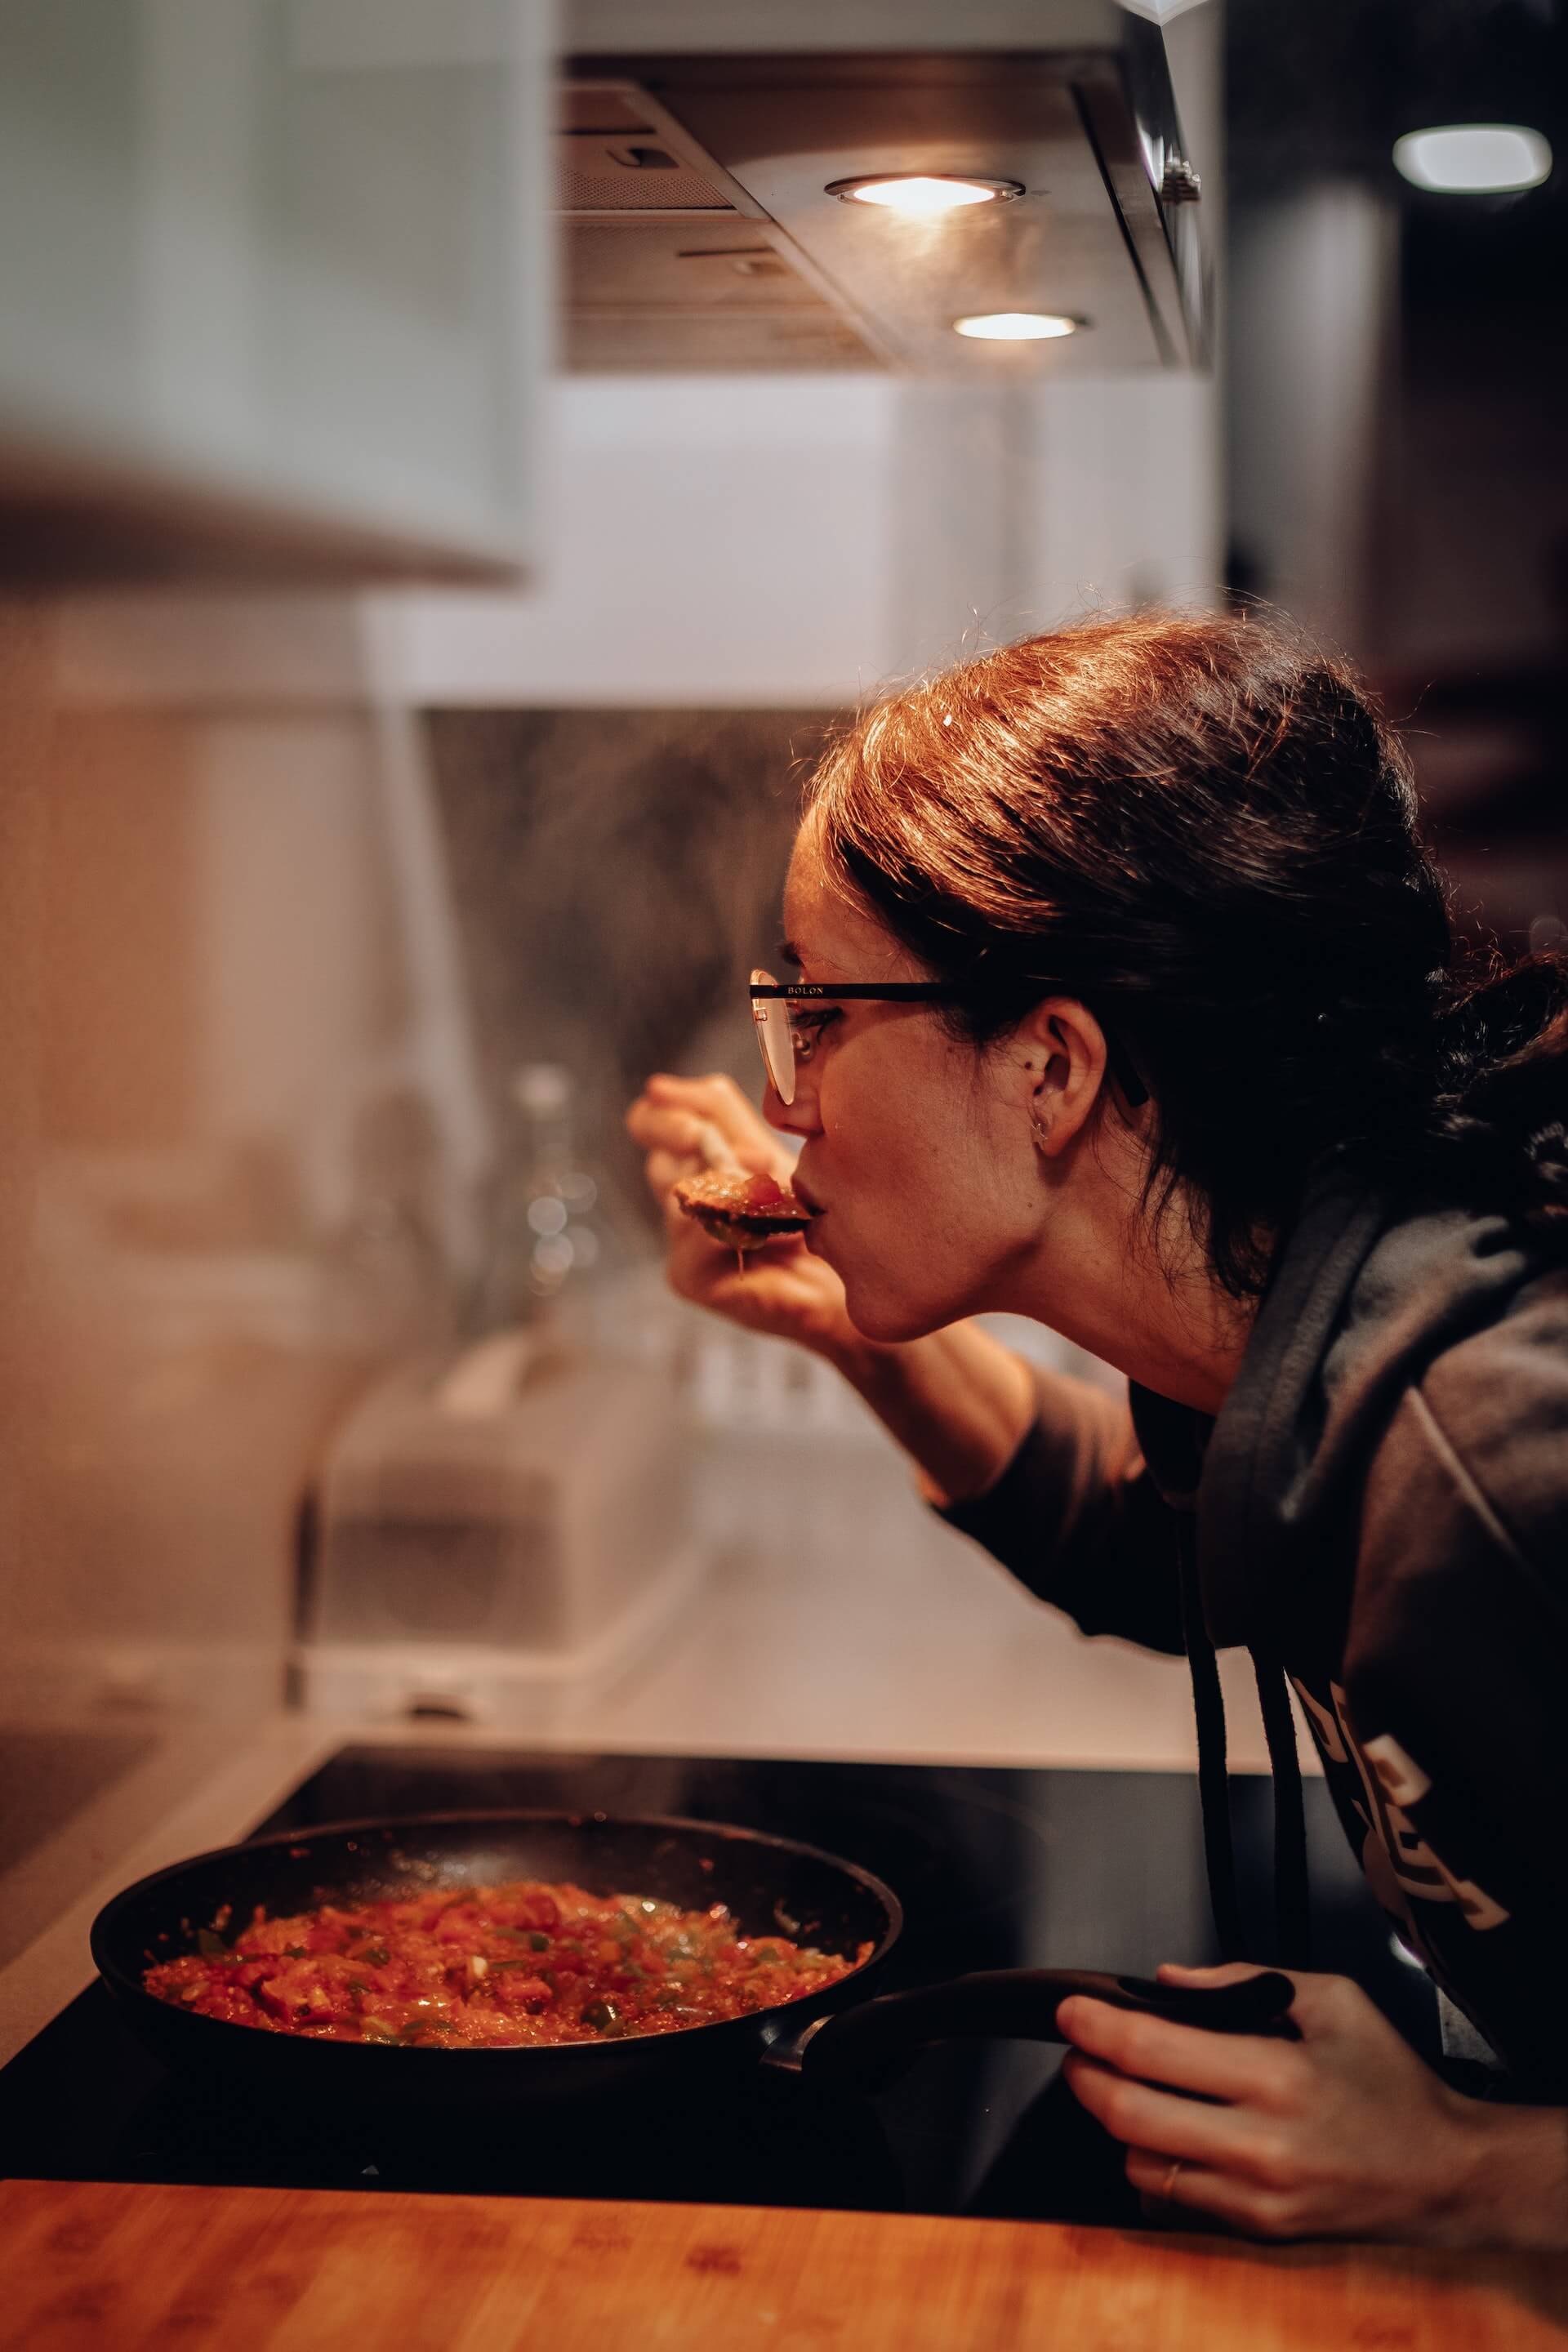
{"type": "Point", "coordinates": [1473, 158]}
{"type": "Point", "coordinates": [1017, 326]}
{"type": "Point", "coordinates": [925, 195]}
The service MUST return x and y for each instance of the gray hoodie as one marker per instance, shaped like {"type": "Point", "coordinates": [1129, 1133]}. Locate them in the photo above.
{"type": "Point", "coordinates": [1380, 1512]}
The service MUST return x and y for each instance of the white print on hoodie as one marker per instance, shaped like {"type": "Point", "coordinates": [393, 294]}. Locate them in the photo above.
{"type": "Point", "coordinates": [1390, 1780]}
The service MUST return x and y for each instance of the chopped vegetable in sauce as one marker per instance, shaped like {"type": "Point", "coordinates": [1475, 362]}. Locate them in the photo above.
{"type": "Point", "coordinates": [491, 1967]}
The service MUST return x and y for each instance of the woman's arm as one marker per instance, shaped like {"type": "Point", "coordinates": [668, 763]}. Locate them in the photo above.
{"type": "Point", "coordinates": [957, 1403]}
{"type": "Point", "coordinates": [1043, 1471]}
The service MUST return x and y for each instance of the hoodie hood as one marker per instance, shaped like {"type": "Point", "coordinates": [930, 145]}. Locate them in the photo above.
{"type": "Point", "coordinates": [1356, 1310]}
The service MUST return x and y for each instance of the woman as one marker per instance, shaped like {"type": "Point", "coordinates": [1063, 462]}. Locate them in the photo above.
{"type": "Point", "coordinates": [1136, 1013]}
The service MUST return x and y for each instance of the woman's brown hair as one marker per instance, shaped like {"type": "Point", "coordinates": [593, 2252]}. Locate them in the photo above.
{"type": "Point", "coordinates": [1202, 827]}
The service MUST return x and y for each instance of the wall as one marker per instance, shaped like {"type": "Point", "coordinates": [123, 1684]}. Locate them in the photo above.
{"type": "Point", "coordinates": [619, 874]}
{"type": "Point", "coordinates": [712, 541]}
{"type": "Point", "coordinates": [734, 541]}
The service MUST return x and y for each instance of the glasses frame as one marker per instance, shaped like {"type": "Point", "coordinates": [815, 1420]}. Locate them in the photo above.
{"type": "Point", "coordinates": [765, 991]}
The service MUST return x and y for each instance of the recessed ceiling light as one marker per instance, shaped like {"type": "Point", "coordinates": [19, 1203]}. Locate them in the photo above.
{"type": "Point", "coordinates": [1474, 159]}
{"type": "Point", "coordinates": [1017, 326]}
{"type": "Point", "coordinates": [924, 194]}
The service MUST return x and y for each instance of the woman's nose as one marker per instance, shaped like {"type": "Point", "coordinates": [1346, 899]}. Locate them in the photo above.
{"type": "Point", "coordinates": [797, 1117]}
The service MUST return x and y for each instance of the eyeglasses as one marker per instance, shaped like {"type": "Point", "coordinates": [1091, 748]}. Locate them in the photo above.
{"type": "Point", "coordinates": [786, 1041]}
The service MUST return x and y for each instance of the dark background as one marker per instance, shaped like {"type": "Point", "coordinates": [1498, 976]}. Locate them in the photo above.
{"type": "Point", "coordinates": [1451, 583]}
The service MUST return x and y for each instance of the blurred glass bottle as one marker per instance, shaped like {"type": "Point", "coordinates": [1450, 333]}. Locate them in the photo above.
{"type": "Point", "coordinates": [547, 1237]}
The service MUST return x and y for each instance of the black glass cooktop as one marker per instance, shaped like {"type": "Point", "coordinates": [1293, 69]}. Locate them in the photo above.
{"type": "Point", "coordinates": [995, 1868]}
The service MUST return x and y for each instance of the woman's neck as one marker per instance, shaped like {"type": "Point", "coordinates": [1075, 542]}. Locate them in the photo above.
{"type": "Point", "coordinates": [1148, 1303]}
{"type": "Point", "coordinates": [1185, 1342]}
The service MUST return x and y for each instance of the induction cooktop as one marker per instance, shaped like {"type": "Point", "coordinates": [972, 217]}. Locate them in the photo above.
{"type": "Point", "coordinates": [997, 1868]}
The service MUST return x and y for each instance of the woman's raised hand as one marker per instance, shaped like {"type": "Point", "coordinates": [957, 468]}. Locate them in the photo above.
{"type": "Point", "coordinates": [684, 1125]}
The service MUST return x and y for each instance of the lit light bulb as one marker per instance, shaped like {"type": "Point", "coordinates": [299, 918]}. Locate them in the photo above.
{"type": "Point", "coordinates": [1016, 326]}
{"type": "Point", "coordinates": [923, 196]}
{"type": "Point", "coordinates": [1473, 158]}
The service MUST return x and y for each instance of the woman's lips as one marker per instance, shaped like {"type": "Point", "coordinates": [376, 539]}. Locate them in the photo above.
{"type": "Point", "coordinates": [812, 1236]}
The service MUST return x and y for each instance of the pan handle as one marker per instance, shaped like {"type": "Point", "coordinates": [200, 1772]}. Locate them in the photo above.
{"type": "Point", "coordinates": [862, 2047]}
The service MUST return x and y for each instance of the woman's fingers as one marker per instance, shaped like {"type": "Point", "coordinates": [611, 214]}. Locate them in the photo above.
{"type": "Point", "coordinates": [719, 1104]}
{"type": "Point", "coordinates": [676, 1143]}
{"type": "Point", "coordinates": [1322, 2005]}
{"type": "Point", "coordinates": [1196, 2190]}
{"type": "Point", "coordinates": [1164, 2181]}
{"type": "Point", "coordinates": [1165, 2122]}
{"type": "Point", "coordinates": [1227, 1972]}
{"type": "Point", "coordinates": [1156, 2050]}
{"type": "Point", "coordinates": [664, 1169]}
{"type": "Point", "coordinates": [659, 1126]}
{"type": "Point", "coordinates": [1344, 2133]}
{"type": "Point", "coordinates": [685, 1124]}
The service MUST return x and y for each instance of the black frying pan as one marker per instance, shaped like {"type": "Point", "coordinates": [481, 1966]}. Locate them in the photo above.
{"type": "Point", "coordinates": [772, 1885]}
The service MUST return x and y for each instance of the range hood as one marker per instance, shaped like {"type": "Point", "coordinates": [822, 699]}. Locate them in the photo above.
{"type": "Point", "coordinates": [693, 182]}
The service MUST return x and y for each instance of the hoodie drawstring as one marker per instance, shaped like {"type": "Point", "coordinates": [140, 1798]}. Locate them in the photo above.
{"type": "Point", "coordinates": [1213, 1784]}
{"type": "Point", "coordinates": [1291, 1886]}
{"type": "Point", "coordinates": [1293, 1927]}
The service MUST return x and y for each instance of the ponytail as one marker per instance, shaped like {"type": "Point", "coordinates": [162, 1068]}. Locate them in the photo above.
{"type": "Point", "coordinates": [1501, 1108]}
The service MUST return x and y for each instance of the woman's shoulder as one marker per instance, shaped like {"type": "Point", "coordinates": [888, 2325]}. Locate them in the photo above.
{"type": "Point", "coordinates": [1491, 1412]}
{"type": "Point", "coordinates": [1461, 1551]}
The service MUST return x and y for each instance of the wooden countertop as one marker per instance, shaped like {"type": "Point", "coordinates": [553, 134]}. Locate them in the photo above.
{"type": "Point", "coordinates": [118, 2268]}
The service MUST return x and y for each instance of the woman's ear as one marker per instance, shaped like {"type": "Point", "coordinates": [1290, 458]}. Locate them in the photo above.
{"type": "Point", "coordinates": [1066, 1064]}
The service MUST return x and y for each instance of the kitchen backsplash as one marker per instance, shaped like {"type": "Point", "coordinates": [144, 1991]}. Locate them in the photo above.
{"type": "Point", "coordinates": [618, 872]}
{"type": "Point", "coordinates": [269, 964]}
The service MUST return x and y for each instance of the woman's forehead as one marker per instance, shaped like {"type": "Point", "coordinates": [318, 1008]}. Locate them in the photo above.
{"type": "Point", "coordinates": [831, 934]}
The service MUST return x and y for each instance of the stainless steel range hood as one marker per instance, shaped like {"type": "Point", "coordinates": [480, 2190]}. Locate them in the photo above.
{"type": "Point", "coordinates": [693, 164]}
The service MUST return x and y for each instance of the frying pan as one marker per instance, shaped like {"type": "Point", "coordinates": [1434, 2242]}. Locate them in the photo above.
{"type": "Point", "coordinates": [772, 1885]}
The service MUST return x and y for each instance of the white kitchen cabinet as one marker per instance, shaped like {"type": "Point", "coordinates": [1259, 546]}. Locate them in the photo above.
{"type": "Point", "coordinates": [274, 286]}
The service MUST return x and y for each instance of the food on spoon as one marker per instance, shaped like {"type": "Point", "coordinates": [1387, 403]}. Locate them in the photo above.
{"type": "Point", "coordinates": [740, 1211]}
{"type": "Point", "coordinates": [492, 1967]}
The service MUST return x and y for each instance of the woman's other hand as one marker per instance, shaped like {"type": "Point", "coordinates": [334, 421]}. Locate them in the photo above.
{"type": "Point", "coordinates": [684, 1125]}
{"type": "Point", "coordinates": [1344, 2134]}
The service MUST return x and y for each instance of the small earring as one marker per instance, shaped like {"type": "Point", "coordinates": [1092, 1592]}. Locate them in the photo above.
{"type": "Point", "coordinates": [1042, 1130]}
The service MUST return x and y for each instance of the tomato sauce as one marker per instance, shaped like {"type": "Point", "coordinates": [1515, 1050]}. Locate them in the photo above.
{"type": "Point", "coordinates": [491, 1967]}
